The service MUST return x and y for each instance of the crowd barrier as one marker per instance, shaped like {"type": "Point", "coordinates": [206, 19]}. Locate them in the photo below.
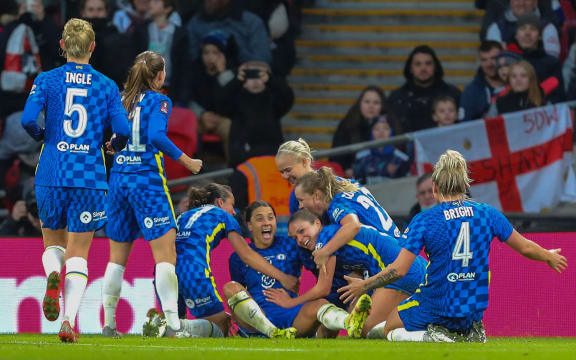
{"type": "Point", "coordinates": [526, 298]}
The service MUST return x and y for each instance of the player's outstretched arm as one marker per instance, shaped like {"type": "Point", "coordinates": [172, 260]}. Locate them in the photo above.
{"type": "Point", "coordinates": [533, 251]}
{"type": "Point", "coordinates": [29, 120]}
{"type": "Point", "coordinates": [395, 271]}
{"type": "Point", "coordinates": [320, 290]}
{"type": "Point", "coordinates": [350, 228]}
{"type": "Point", "coordinates": [258, 263]}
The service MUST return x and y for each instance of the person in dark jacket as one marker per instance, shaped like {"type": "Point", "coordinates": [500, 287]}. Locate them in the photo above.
{"type": "Point", "coordinates": [528, 43]}
{"type": "Point", "coordinates": [356, 125]}
{"type": "Point", "coordinates": [525, 91]}
{"type": "Point", "coordinates": [109, 41]}
{"type": "Point", "coordinates": [255, 100]}
{"type": "Point", "coordinates": [170, 41]}
{"type": "Point", "coordinates": [477, 95]}
{"type": "Point", "coordinates": [410, 105]}
{"type": "Point", "coordinates": [377, 165]}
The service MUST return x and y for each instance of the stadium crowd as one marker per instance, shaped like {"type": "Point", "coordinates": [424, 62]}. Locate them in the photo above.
{"type": "Point", "coordinates": [227, 61]}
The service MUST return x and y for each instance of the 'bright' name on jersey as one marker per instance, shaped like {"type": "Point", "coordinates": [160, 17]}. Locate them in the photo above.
{"type": "Point", "coordinates": [79, 78]}
{"type": "Point", "coordinates": [458, 212]}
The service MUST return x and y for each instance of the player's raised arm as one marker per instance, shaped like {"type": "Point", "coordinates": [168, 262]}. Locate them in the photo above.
{"type": "Point", "coordinates": [258, 263]}
{"type": "Point", "coordinates": [533, 251]}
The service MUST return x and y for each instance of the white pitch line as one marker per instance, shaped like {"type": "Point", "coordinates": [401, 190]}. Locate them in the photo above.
{"type": "Point", "coordinates": [169, 347]}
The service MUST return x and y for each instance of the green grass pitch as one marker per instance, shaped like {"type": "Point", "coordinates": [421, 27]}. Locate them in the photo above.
{"type": "Point", "coordinates": [33, 346]}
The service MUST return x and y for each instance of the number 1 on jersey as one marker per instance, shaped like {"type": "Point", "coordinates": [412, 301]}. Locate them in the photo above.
{"type": "Point", "coordinates": [462, 248]}
{"type": "Point", "coordinates": [135, 145]}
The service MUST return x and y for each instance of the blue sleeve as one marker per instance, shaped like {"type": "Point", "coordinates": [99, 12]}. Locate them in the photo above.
{"type": "Point", "coordinates": [339, 209]}
{"type": "Point", "coordinates": [235, 267]}
{"type": "Point", "coordinates": [158, 128]}
{"type": "Point", "coordinates": [413, 238]}
{"type": "Point", "coordinates": [34, 105]}
{"type": "Point", "coordinates": [232, 224]}
{"type": "Point", "coordinates": [118, 118]}
{"type": "Point", "coordinates": [501, 227]}
{"type": "Point", "coordinates": [294, 205]}
{"type": "Point", "coordinates": [29, 120]}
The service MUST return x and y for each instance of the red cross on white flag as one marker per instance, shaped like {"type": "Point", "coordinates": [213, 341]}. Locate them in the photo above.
{"type": "Point", "coordinates": [519, 162]}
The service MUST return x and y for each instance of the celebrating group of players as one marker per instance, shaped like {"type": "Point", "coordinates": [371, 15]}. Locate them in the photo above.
{"type": "Point", "coordinates": [371, 280]}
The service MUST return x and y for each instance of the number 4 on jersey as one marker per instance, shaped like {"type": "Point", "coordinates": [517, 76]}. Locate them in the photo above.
{"type": "Point", "coordinates": [462, 248]}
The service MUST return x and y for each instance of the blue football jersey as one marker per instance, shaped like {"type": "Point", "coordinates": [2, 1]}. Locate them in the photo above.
{"type": "Point", "coordinates": [79, 103]}
{"type": "Point", "coordinates": [283, 254]}
{"type": "Point", "coordinates": [456, 236]}
{"type": "Point", "coordinates": [200, 231]}
{"type": "Point", "coordinates": [364, 205]}
{"type": "Point", "coordinates": [142, 164]}
{"type": "Point", "coordinates": [337, 281]}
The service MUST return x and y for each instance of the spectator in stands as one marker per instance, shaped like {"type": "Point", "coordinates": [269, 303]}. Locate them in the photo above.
{"type": "Point", "coordinates": [503, 29]}
{"type": "Point", "coordinates": [445, 111]}
{"type": "Point", "coordinates": [211, 72]}
{"type": "Point", "coordinates": [411, 105]}
{"type": "Point", "coordinates": [19, 64]}
{"type": "Point", "coordinates": [255, 100]}
{"type": "Point", "coordinates": [160, 35]}
{"type": "Point", "coordinates": [227, 16]}
{"type": "Point", "coordinates": [109, 41]}
{"type": "Point", "coordinates": [137, 13]}
{"type": "Point", "coordinates": [17, 144]}
{"type": "Point", "coordinates": [23, 219]}
{"type": "Point", "coordinates": [424, 195]}
{"type": "Point", "coordinates": [528, 44]}
{"type": "Point", "coordinates": [477, 95]}
{"type": "Point", "coordinates": [503, 62]}
{"type": "Point", "coordinates": [274, 14]}
{"type": "Point", "coordinates": [525, 91]}
{"type": "Point", "coordinates": [356, 125]}
{"type": "Point", "coordinates": [8, 13]}
{"type": "Point", "coordinates": [374, 166]}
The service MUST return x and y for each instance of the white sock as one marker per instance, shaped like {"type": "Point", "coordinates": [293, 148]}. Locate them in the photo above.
{"type": "Point", "coordinates": [377, 332]}
{"type": "Point", "coordinates": [167, 288]}
{"type": "Point", "coordinates": [332, 317]}
{"type": "Point", "coordinates": [402, 334]}
{"type": "Point", "coordinates": [248, 310]}
{"type": "Point", "coordinates": [53, 259]}
{"type": "Point", "coordinates": [201, 328]}
{"type": "Point", "coordinates": [111, 288]}
{"type": "Point", "coordinates": [74, 286]}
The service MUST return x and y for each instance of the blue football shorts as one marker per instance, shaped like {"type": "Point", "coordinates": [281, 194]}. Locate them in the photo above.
{"type": "Point", "coordinates": [75, 209]}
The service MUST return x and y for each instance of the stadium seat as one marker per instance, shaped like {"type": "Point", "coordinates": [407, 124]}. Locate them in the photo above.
{"type": "Point", "coordinates": [182, 130]}
{"type": "Point", "coordinates": [333, 165]}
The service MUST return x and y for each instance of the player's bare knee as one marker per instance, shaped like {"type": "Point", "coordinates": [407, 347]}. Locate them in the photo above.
{"type": "Point", "coordinates": [232, 288]}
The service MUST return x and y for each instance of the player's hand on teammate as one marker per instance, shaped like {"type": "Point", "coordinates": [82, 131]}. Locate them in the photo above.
{"type": "Point", "coordinates": [353, 290]}
{"type": "Point", "coordinates": [557, 261]}
{"type": "Point", "coordinates": [279, 297]}
{"type": "Point", "coordinates": [321, 258]}
{"type": "Point", "coordinates": [290, 282]}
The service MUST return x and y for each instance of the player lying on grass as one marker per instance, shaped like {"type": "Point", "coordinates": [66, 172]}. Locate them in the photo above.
{"type": "Point", "coordinates": [456, 234]}
{"type": "Point", "coordinates": [248, 303]}
{"type": "Point", "coordinates": [200, 230]}
{"type": "Point", "coordinates": [369, 251]}
{"type": "Point", "coordinates": [346, 204]}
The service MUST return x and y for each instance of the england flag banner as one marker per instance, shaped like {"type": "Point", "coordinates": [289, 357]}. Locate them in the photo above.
{"type": "Point", "coordinates": [519, 162]}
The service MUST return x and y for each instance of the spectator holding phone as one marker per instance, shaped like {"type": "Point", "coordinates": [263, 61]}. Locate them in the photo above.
{"type": "Point", "coordinates": [255, 100]}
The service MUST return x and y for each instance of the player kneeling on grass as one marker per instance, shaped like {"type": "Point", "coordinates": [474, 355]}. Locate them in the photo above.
{"type": "Point", "coordinates": [456, 234]}
{"type": "Point", "coordinates": [200, 230]}
{"type": "Point", "coordinates": [369, 250]}
{"type": "Point", "coordinates": [246, 299]}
